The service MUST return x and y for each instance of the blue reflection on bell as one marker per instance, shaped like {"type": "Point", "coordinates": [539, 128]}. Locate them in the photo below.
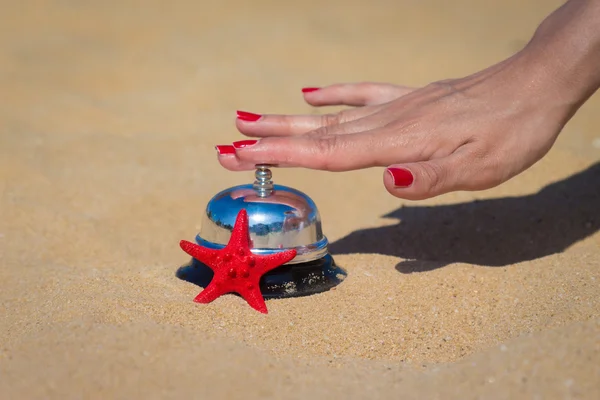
{"type": "Point", "coordinates": [279, 218]}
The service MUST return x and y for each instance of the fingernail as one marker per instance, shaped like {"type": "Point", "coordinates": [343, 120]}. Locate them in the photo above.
{"type": "Point", "coordinates": [248, 116]}
{"type": "Point", "coordinates": [402, 177]}
{"type": "Point", "coordinates": [309, 89]}
{"type": "Point", "coordinates": [225, 149]}
{"type": "Point", "coordinates": [244, 143]}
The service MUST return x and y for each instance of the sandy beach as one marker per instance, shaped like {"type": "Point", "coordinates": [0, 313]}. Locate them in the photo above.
{"type": "Point", "coordinates": [109, 113]}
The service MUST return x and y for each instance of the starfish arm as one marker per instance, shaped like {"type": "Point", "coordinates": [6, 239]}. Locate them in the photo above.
{"type": "Point", "coordinates": [209, 294]}
{"type": "Point", "coordinates": [275, 260]}
{"type": "Point", "coordinates": [201, 254]}
{"type": "Point", "coordinates": [239, 235]}
{"type": "Point", "coordinates": [255, 299]}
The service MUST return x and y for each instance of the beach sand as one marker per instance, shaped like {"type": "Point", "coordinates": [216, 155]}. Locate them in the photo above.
{"type": "Point", "coordinates": [109, 112]}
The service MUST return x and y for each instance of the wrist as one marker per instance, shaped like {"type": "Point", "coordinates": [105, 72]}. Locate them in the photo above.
{"type": "Point", "coordinates": [565, 54]}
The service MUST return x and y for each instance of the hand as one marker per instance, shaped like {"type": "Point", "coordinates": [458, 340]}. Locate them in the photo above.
{"type": "Point", "coordinates": [467, 134]}
{"type": "Point", "coordinates": [472, 133]}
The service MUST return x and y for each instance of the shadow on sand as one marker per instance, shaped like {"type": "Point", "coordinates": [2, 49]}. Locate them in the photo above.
{"type": "Point", "coordinates": [493, 233]}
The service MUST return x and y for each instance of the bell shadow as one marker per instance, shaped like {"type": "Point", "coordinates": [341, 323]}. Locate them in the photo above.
{"type": "Point", "coordinates": [493, 233]}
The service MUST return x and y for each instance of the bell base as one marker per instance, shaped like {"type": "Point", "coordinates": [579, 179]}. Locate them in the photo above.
{"type": "Point", "coordinates": [293, 280]}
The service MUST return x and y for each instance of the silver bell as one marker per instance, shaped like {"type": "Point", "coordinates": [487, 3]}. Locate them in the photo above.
{"type": "Point", "coordinates": [279, 218]}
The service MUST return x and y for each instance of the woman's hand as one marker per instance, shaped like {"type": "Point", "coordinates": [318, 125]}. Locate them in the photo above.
{"type": "Point", "coordinates": [466, 134]}
{"type": "Point", "coordinates": [472, 133]}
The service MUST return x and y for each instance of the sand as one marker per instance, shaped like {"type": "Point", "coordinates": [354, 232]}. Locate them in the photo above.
{"type": "Point", "coordinates": [109, 112]}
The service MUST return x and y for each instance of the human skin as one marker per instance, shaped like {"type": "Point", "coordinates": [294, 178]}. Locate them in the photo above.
{"type": "Point", "coordinates": [471, 133]}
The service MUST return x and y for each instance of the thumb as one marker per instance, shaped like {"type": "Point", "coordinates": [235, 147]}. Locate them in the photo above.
{"type": "Point", "coordinates": [425, 179]}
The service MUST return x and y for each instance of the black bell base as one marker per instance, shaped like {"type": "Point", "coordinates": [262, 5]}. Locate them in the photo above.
{"type": "Point", "coordinates": [293, 280]}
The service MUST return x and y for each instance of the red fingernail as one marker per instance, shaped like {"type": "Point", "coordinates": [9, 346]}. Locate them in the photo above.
{"type": "Point", "coordinates": [248, 116]}
{"type": "Point", "coordinates": [309, 89]}
{"type": "Point", "coordinates": [244, 143]}
{"type": "Point", "coordinates": [225, 149]}
{"type": "Point", "coordinates": [402, 177]}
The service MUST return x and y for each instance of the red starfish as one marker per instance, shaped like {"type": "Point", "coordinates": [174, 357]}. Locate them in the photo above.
{"type": "Point", "coordinates": [236, 268]}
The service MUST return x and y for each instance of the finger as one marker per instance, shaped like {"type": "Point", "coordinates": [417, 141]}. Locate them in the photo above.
{"type": "Point", "coordinates": [354, 94]}
{"type": "Point", "coordinates": [232, 163]}
{"type": "Point", "coordinates": [426, 179]}
{"type": "Point", "coordinates": [265, 125]}
{"type": "Point", "coordinates": [377, 147]}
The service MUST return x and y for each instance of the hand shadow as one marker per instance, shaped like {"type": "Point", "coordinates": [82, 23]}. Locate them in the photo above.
{"type": "Point", "coordinates": [493, 233]}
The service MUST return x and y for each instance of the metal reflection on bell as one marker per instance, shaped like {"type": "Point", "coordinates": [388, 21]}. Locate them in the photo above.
{"type": "Point", "coordinates": [279, 218]}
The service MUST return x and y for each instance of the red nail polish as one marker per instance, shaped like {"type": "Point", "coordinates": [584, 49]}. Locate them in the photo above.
{"type": "Point", "coordinates": [247, 116]}
{"type": "Point", "coordinates": [225, 149]}
{"type": "Point", "coordinates": [402, 177]}
{"type": "Point", "coordinates": [244, 143]}
{"type": "Point", "coordinates": [309, 89]}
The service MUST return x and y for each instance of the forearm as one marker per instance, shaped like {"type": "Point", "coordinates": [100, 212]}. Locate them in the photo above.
{"type": "Point", "coordinates": [566, 51]}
